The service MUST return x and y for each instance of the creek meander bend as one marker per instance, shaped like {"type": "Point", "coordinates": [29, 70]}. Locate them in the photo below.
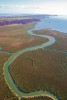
{"type": "Point", "coordinates": [9, 80]}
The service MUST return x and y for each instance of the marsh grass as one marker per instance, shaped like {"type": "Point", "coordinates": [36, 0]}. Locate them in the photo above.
{"type": "Point", "coordinates": [48, 74]}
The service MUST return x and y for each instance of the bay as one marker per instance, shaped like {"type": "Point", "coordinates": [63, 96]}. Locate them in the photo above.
{"type": "Point", "coordinates": [58, 23]}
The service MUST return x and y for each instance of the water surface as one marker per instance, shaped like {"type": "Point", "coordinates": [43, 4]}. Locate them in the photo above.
{"type": "Point", "coordinates": [58, 23]}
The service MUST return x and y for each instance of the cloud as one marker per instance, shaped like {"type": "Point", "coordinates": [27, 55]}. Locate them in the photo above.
{"type": "Point", "coordinates": [43, 8]}
{"type": "Point", "coordinates": [19, 6]}
{"type": "Point", "coordinates": [10, 6]}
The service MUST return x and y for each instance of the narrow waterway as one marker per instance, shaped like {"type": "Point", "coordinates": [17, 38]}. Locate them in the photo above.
{"type": "Point", "coordinates": [8, 78]}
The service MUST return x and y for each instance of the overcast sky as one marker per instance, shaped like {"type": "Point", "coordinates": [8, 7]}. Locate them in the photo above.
{"type": "Point", "coordinates": [34, 6]}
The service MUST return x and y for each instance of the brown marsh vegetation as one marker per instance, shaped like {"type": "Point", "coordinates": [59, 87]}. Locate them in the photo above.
{"type": "Point", "coordinates": [43, 68]}
{"type": "Point", "coordinates": [38, 69]}
{"type": "Point", "coordinates": [13, 38]}
{"type": "Point", "coordinates": [5, 92]}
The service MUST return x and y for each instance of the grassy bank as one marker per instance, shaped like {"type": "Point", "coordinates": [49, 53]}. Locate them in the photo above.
{"type": "Point", "coordinates": [5, 93]}
{"type": "Point", "coordinates": [43, 68]}
{"type": "Point", "coordinates": [14, 38]}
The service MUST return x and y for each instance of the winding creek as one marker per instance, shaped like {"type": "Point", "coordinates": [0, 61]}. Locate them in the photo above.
{"type": "Point", "coordinates": [9, 80]}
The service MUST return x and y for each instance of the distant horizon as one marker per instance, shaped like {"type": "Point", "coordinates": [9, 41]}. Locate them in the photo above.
{"type": "Point", "coordinates": [33, 14]}
{"type": "Point", "coordinates": [20, 14]}
{"type": "Point", "coordinates": [29, 13]}
{"type": "Point", "coordinates": [25, 14]}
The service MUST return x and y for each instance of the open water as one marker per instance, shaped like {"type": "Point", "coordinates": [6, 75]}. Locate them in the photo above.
{"type": "Point", "coordinates": [58, 23]}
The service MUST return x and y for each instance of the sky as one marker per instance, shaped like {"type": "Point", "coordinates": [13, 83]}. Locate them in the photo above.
{"type": "Point", "coordinates": [58, 7]}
